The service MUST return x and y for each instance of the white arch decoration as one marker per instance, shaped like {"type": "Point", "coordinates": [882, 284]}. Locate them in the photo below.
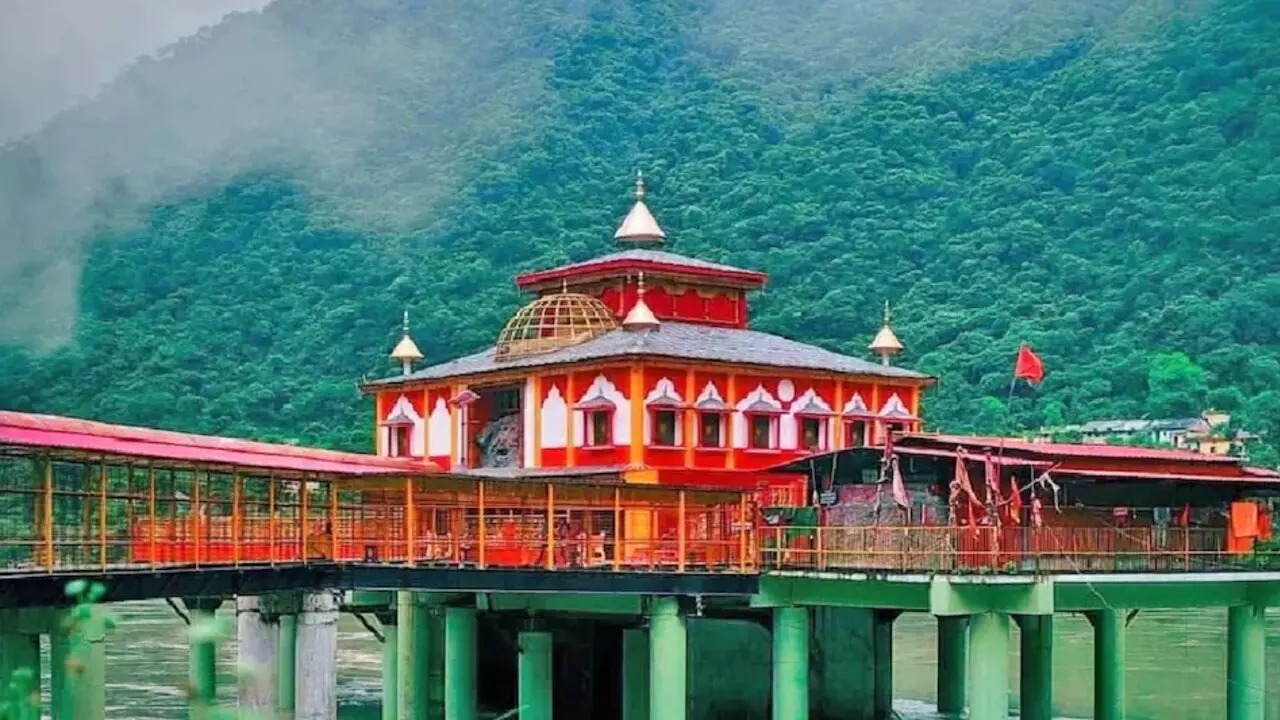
{"type": "Point", "coordinates": [759, 395]}
{"type": "Point", "coordinates": [895, 408]}
{"type": "Point", "coordinates": [710, 395]}
{"type": "Point", "coordinates": [404, 407]}
{"type": "Point", "coordinates": [601, 389]}
{"type": "Point", "coordinates": [855, 406]}
{"type": "Point", "coordinates": [438, 429]}
{"type": "Point", "coordinates": [554, 416]}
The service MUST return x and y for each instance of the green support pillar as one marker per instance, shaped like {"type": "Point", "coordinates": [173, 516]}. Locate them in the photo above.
{"type": "Point", "coordinates": [953, 659]}
{"type": "Point", "coordinates": [668, 660]}
{"type": "Point", "coordinates": [989, 666]}
{"type": "Point", "coordinates": [882, 663]}
{"type": "Point", "coordinates": [791, 663]}
{"type": "Point", "coordinates": [390, 667]}
{"type": "Point", "coordinates": [20, 652]}
{"type": "Point", "coordinates": [460, 663]}
{"type": "Point", "coordinates": [203, 676]}
{"type": "Point", "coordinates": [1036, 662]}
{"type": "Point", "coordinates": [1108, 664]}
{"type": "Point", "coordinates": [635, 674]}
{"type": "Point", "coordinates": [286, 665]}
{"type": "Point", "coordinates": [415, 656]}
{"type": "Point", "coordinates": [78, 668]}
{"type": "Point", "coordinates": [534, 675]}
{"type": "Point", "coordinates": [1246, 663]}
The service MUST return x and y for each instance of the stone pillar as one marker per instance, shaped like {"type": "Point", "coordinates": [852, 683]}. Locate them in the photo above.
{"type": "Point", "coordinates": [203, 676]}
{"type": "Point", "coordinates": [460, 663]}
{"type": "Point", "coordinates": [953, 659]}
{"type": "Point", "coordinates": [286, 664]}
{"type": "Point", "coordinates": [78, 667]}
{"type": "Point", "coordinates": [791, 663]}
{"type": "Point", "coordinates": [1108, 664]}
{"type": "Point", "coordinates": [534, 677]}
{"type": "Point", "coordinates": [668, 661]}
{"type": "Point", "coordinates": [1036, 663]}
{"type": "Point", "coordinates": [315, 670]}
{"type": "Point", "coordinates": [635, 674]}
{"type": "Point", "coordinates": [1246, 663]}
{"type": "Point", "coordinates": [388, 618]}
{"type": "Point", "coordinates": [882, 663]}
{"type": "Point", "coordinates": [257, 643]}
{"type": "Point", "coordinates": [988, 666]}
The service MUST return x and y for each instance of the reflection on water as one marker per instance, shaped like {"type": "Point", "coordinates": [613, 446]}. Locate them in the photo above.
{"type": "Point", "coordinates": [1176, 666]}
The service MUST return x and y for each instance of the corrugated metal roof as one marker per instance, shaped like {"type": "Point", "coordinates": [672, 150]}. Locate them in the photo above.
{"type": "Point", "coordinates": [685, 341]}
{"type": "Point", "coordinates": [1123, 452]}
{"type": "Point", "coordinates": [54, 433]}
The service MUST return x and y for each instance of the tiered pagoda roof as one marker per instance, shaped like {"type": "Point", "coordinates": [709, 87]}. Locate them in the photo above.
{"type": "Point", "coordinates": [559, 336]}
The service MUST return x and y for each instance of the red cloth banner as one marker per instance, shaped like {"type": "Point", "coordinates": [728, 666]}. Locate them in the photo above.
{"type": "Point", "coordinates": [1029, 366]}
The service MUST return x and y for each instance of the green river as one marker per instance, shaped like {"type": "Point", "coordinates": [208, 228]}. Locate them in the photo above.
{"type": "Point", "coordinates": [1176, 666]}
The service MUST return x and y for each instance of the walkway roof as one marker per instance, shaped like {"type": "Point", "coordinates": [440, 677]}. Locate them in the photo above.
{"type": "Point", "coordinates": [75, 440]}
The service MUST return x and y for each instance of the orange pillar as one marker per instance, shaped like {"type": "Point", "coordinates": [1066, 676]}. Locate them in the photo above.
{"type": "Point", "coordinates": [636, 398]}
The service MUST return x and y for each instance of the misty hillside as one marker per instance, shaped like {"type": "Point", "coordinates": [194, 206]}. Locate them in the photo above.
{"type": "Point", "coordinates": [223, 240]}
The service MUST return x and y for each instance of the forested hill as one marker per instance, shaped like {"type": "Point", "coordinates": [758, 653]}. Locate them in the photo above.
{"type": "Point", "coordinates": [235, 226]}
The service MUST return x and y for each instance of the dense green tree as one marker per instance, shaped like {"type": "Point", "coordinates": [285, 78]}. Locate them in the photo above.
{"type": "Point", "coordinates": [1098, 179]}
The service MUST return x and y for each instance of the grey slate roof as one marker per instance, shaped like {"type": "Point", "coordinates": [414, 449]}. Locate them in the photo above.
{"type": "Point", "coordinates": [684, 341]}
{"type": "Point", "coordinates": [655, 256]}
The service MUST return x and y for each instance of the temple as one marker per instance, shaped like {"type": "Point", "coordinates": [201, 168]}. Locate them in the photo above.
{"type": "Point", "coordinates": [641, 363]}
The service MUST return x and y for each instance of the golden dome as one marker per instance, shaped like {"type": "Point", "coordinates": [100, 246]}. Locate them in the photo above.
{"type": "Point", "coordinates": [553, 322]}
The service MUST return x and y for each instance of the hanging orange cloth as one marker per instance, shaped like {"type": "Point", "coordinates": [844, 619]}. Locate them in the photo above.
{"type": "Point", "coordinates": [1264, 523]}
{"type": "Point", "coordinates": [1242, 527]}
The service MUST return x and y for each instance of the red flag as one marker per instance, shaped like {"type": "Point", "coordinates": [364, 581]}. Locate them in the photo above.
{"type": "Point", "coordinates": [900, 494]}
{"type": "Point", "coordinates": [1184, 517]}
{"type": "Point", "coordinates": [1029, 366]}
{"type": "Point", "coordinates": [1015, 502]}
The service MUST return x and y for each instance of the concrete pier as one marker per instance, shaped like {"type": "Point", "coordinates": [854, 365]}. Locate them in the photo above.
{"type": "Point", "coordinates": [1246, 662]}
{"type": "Point", "coordinates": [534, 675]}
{"type": "Point", "coordinates": [286, 664]}
{"type": "Point", "coordinates": [19, 651]}
{"type": "Point", "coordinates": [635, 674]}
{"type": "Point", "coordinates": [460, 664]}
{"type": "Point", "coordinates": [389, 619]}
{"type": "Point", "coordinates": [77, 668]}
{"type": "Point", "coordinates": [203, 676]}
{"type": "Point", "coordinates": [989, 666]}
{"type": "Point", "coordinates": [791, 663]}
{"type": "Point", "coordinates": [1108, 663]}
{"type": "Point", "coordinates": [953, 659]}
{"type": "Point", "coordinates": [257, 643]}
{"type": "Point", "coordinates": [316, 668]}
{"type": "Point", "coordinates": [668, 661]}
{"type": "Point", "coordinates": [882, 663]}
{"type": "Point", "coordinates": [1036, 666]}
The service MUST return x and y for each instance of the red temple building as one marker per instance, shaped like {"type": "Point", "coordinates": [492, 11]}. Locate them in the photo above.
{"type": "Point", "coordinates": [641, 362]}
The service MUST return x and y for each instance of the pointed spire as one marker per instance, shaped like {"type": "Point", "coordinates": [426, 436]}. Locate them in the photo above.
{"type": "Point", "coordinates": [886, 343]}
{"type": "Point", "coordinates": [640, 317]}
{"type": "Point", "coordinates": [640, 229]}
{"type": "Point", "coordinates": [406, 351]}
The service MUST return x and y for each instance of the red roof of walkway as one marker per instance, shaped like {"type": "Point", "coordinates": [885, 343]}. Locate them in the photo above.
{"type": "Point", "coordinates": [65, 438]}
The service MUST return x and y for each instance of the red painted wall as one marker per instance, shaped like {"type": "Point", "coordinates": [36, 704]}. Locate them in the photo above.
{"type": "Point", "coordinates": [617, 454]}
{"type": "Point", "coordinates": [712, 305]}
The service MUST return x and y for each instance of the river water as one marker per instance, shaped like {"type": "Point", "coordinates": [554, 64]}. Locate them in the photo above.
{"type": "Point", "coordinates": [1176, 666]}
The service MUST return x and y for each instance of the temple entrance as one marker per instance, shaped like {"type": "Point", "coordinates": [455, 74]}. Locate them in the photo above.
{"type": "Point", "coordinates": [494, 429]}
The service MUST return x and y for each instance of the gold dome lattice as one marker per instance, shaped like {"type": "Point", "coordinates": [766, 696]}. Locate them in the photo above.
{"type": "Point", "coordinates": [553, 322]}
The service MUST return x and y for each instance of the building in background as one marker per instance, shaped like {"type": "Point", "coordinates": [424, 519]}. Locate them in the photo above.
{"type": "Point", "coordinates": [1210, 434]}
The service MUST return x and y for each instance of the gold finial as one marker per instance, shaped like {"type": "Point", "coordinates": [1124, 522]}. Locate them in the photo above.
{"type": "Point", "coordinates": [639, 185]}
{"type": "Point", "coordinates": [886, 343]}
{"type": "Point", "coordinates": [640, 317]}
{"type": "Point", "coordinates": [639, 229]}
{"type": "Point", "coordinates": [406, 351]}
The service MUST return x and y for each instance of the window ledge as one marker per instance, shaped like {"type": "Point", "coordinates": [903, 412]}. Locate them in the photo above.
{"type": "Point", "coordinates": [666, 447]}
{"type": "Point", "coordinates": [711, 448]}
{"type": "Point", "coordinates": [763, 451]}
{"type": "Point", "coordinates": [597, 447]}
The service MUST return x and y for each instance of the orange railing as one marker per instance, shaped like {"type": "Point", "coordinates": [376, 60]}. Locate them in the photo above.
{"type": "Point", "coordinates": [945, 549]}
